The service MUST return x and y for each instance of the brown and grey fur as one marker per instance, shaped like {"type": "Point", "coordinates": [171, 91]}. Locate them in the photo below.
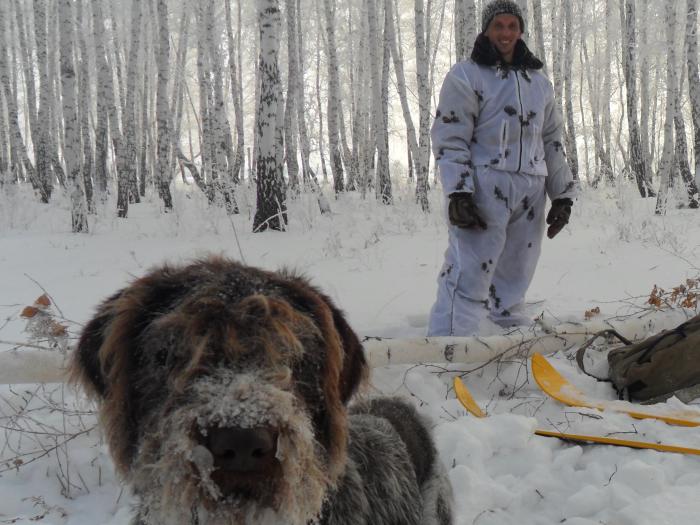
{"type": "Point", "coordinates": [188, 356]}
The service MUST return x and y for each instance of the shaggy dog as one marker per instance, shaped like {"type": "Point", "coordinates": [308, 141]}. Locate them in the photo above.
{"type": "Point", "coordinates": [223, 393]}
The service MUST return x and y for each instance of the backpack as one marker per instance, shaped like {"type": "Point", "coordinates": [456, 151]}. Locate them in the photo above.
{"type": "Point", "coordinates": [658, 367]}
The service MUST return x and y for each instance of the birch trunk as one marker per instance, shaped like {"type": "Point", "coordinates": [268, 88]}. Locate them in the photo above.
{"type": "Point", "coordinates": [606, 97]}
{"type": "Point", "coordinates": [21, 164]}
{"type": "Point", "coordinates": [129, 104]}
{"type": "Point", "coordinates": [422, 159]}
{"type": "Point", "coordinates": [557, 45]}
{"type": "Point", "coordinates": [220, 141]}
{"type": "Point", "coordinates": [71, 126]}
{"type": "Point", "coordinates": [25, 59]}
{"type": "Point", "coordinates": [629, 62]}
{"type": "Point", "coordinates": [162, 175]}
{"type": "Point", "coordinates": [308, 176]}
{"type": "Point", "coordinates": [102, 95]}
{"type": "Point", "coordinates": [694, 80]}
{"type": "Point", "coordinates": [571, 149]}
{"type": "Point", "coordinates": [290, 116]}
{"type": "Point", "coordinates": [380, 101]}
{"type": "Point", "coordinates": [465, 28]}
{"type": "Point", "coordinates": [401, 84]}
{"type": "Point", "coordinates": [644, 69]}
{"type": "Point", "coordinates": [539, 31]}
{"type": "Point", "coordinates": [333, 97]}
{"type": "Point", "coordinates": [84, 107]}
{"type": "Point", "coordinates": [236, 90]}
{"type": "Point", "coordinates": [681, 154]}
{"type": "Point", "coordinates": [524, 9]}
{"type": "Point", "coordinates": [271, 212]}
{"type": "Point", "coordinates": [666, 160]}
{"type": "Point", "coordinates": [42, 137]}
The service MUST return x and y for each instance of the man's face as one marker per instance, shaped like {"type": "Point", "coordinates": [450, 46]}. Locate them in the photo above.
{"type": "Point", "coordinates": [503, 32]}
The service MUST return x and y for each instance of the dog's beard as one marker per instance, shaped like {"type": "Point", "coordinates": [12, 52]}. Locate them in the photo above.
{"type": "Point", "coordinates": [172, 471]}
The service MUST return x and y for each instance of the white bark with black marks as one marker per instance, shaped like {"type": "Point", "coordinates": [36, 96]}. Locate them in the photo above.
{"type": "Point", "coordinates": [667, 155]}
{"type": "Point", "coordinates": [571, 149]}
{"type": "Point", "coordinates": [629, 61]}
{"type": "Point", "coordinates": [333, 97]}
{"type": "Point", "coordinates": [163, 118]}
{"type": "Point", "coordinates": [271, 212]}
{"type": "Point", "coordinates": [422, 159]}
{"type": "Point", "coordinates": [236, 93]}
{"type": "Point", "coordinates": [72, 149]}
{"type": "Point", "coordinates": [694, 80]}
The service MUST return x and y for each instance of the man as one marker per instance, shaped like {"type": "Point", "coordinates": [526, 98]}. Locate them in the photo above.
{"type": "Point", "coordinates": [497, 142]}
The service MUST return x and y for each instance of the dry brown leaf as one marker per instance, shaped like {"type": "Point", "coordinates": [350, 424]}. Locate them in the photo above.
{"type": "Point", "coordinates": [29, 312]}
{"type": "Point", "coordinates": [43, 300]}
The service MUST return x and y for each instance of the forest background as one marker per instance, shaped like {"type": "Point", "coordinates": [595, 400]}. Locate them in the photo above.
{"type": "Point", "coordinates": [104, 101]}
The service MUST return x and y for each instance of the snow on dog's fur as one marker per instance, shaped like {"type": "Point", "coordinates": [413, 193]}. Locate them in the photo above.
{"type": "Point", "coordinates": [223, 393]}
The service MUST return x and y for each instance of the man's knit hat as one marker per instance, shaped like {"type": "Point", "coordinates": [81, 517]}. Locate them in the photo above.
{"type": "Point", "coordinates": [501, 7]}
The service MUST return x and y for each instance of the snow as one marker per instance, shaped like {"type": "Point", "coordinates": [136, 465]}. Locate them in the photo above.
{"type": "Point", "coordinates": [380, 264]}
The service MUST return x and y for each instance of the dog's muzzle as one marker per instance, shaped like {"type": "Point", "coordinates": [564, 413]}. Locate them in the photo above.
{"type": "Point", "coordinates": [242, 450]}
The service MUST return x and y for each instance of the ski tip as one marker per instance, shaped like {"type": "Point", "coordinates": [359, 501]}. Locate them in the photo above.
{"type": "Point", "coordinates": [465, 397]}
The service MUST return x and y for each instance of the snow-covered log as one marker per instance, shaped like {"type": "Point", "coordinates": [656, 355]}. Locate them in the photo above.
{"type": "Point", "coordinates": [44, 366]}
{"type": "Point", "coordinates": [542, 339]}
{"type": "Point", "coordinates": [32, 366]}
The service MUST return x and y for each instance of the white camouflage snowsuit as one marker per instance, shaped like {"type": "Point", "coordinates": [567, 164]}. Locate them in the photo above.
{"type": "Point", "coordinates": [497, 134]}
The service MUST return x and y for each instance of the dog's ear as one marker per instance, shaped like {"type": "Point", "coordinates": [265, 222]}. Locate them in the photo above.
{"type": "Point", "coordinates": [85, 367]}
{"type": "Point", "coordinates": [354, 370]}
{"type": "Point", "coordinates": [349, 360]}
{"type": "Point", "coordinates": [106, 360]}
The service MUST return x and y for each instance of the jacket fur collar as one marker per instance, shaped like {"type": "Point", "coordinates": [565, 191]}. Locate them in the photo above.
{"type": "Point", "coordinates": [485, 54]}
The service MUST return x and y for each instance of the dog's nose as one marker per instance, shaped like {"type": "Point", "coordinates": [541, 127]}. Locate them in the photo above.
{"type": "Point", "coordinates": [242, 450]}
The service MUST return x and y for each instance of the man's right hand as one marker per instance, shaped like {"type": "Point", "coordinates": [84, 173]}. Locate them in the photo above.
{"type": "Point", "coordinates": [463, 212]}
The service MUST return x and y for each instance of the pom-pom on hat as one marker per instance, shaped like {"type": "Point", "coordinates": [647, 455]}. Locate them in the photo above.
{"type": "Point", "coordinates": [501, 7]}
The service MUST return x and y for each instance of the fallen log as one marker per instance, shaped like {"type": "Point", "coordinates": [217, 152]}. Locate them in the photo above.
{"type": "Point", "coordinates": [521, 343]}
{"type": "Point", "coordinates": [32, 365]}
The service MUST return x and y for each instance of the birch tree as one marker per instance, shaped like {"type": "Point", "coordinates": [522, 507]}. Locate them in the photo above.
{"type": "Point", "coordinates": [465, 27]}
{"type": "Point", "coordinates": [42, 138]}
{"type": "Point", "coordinates": [84, 108]}
{"type": "Point", "coordinates": [629, 62]}
{"type": "Point", "coordinates": [308, 174]}
{"type": "Point", "coordinates": [220, 141]}
{"type": "Point", "coordinates": [271, 212]}
{"type": "Point", "coordinates": [571, 149]}
{"type": "Point", "coordinates": [644, 81]}
{"type": "Point", "coordinates": [129, 104]}
{"type": "Point", "coordinates": [379, 105]}
{"type": "Point", "coordinates": [71, 126]}
{"type": "Point", "coordinates": [424, 89]}
{"type": "Point", "coordinates": [691, 35]}
{"type": "Point", "coordinates": [667, 155]}
{"type": "Point", "coordinates": [103, 96]}
{"type": "Point", "coordinates": [162, 175]}
{"type": "Point", "coordinates": [290, 115]}
{"type": "Point", "coordinates": [20, 161]}
{"type": "Point", "coordinates": [236, 93]}
{"type": "Point", "coordinates": [524, 9]}
{"type": "Point", "coordinates": [539, 31]}
{"type": "Point", "coordinates": [333, 97]}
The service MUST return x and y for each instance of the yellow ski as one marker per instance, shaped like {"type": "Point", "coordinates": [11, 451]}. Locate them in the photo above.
{"type": "Point", "coordinates": [468, 402]}
{"type": "Point", "coordinates": [465, 397]}
{"type": "Point", "coordinates": [556, 386]}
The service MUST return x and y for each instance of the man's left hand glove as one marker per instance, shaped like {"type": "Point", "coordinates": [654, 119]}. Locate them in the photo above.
{"type": "Point", "coordinates": [558, 216]}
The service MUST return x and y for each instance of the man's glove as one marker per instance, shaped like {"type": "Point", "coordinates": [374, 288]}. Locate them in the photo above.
{"type": "Point", "coordinates": [463, 212]}
{"type": "Point", "coordinates": [558, 216]}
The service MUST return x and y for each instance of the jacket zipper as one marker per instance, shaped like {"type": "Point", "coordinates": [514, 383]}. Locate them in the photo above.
{"type": "Point", "coordinates": [522, 111]}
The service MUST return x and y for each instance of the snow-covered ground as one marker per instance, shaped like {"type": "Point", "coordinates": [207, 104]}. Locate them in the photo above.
{"type": "Point", "coordinates": [380, 264]}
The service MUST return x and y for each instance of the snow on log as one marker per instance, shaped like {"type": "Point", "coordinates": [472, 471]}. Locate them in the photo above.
{"type": "Point", "coordinates": [521, 343]}
{"type": "Point", "coordinates": [32, 366]}
{"type": "Point", "coordinates": [45, 366]}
